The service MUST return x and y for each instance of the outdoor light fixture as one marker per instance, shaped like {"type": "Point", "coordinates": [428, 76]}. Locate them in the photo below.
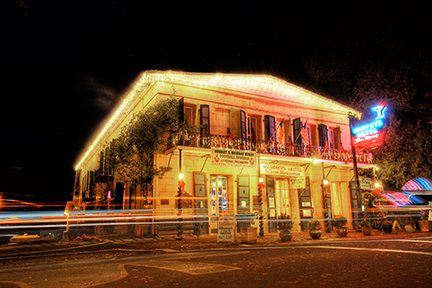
{"type": "Point", "coordinates": [377, 184]}
{"type": "Point", "coordinates": [261, 180]}
{"type": "Point", "coordinates": [325, 182]}
{"type": "Point", "coordinates": [315, 160]}
{"type": "Point", "coordinates": [181, 176]}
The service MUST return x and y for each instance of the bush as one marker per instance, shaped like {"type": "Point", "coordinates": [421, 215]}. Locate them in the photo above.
{"type": "Point", "coordinates": [284, 222]}
{"type": "Point", "coordinates": [315, 225]}
{"type": "Point", "coordinates": [339, 221]}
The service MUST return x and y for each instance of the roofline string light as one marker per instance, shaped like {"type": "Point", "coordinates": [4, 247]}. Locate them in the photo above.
{"type": "Point", "coordinates": [245, 83]}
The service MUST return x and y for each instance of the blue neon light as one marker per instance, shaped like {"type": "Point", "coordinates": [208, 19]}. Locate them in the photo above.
{"type": "Point", "coordinates": [368, 128]}
{"type": "Point", "coordinates": [380, 109]}
{"type": "Point", "coordinates": [371, 128]}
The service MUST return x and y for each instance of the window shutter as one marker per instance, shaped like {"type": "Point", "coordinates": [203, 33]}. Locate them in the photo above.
{"type": "Point", "coordinates": [243, 131]}
{"type": "Point", "coordinates": [322, 134]}
{"type": "Point", "coordinates": [205, 120]}
{"type": "Point", "coordinates": [181, 114]}
{"type": "Point", "coordinates": [269, 127]}
{"type": "Point", "coordinates": [297, 124]}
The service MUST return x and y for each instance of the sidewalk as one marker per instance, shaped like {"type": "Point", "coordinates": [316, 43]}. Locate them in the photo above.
{"type": "Point", "coordinates": [190, 242]}
{"type": "Point", "coordinates": [169, 243]}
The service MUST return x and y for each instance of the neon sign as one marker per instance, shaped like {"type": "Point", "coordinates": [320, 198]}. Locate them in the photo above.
{"type": "Point", "coordinates": [371, 132]}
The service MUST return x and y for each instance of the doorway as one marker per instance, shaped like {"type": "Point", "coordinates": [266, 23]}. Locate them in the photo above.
{"type": "Point", "coordinates": [282, 197]}
{"type": "Point", "coordinates": [218, 199]}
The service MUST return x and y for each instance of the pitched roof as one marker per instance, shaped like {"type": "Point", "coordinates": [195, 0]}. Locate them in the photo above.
{"type": "Point", "coordinates": [253, 84]}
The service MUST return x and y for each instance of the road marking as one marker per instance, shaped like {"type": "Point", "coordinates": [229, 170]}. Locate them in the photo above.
{"type": "Point", "coordinates": [368, 249]}
{"type": "Point", "coordinates": [192, 268]}
{"type": "Point", "coordinates": [409, 240]}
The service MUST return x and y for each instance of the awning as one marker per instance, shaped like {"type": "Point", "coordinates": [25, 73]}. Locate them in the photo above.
{"type": "Point", "coordinates": [402, 198]}
{"type": "Point", "coordinates": [419, 186]}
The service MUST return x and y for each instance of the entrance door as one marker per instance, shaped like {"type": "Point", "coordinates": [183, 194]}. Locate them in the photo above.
{"type": "Point", "coordinates": [218, 199]}
{"type": "Point", "coordinates": [282, 197]}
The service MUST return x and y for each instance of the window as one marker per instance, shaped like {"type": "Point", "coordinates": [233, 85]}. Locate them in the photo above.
{"type": "Point", "coordinates": [287, 131]}
{"type": "Point", "coordinates": [331, 137]}
{"type": "Point", "coordinates": [200, 190]}
{"type": "Point", "coordinates": [253, 128]}
{"type": "Point", "coordinates": [243, 193]}
{"type": "Point", "coordinates": [337, 138]}
{"type": "Point", "coordinates": [189, 114]}
{"type": "Point", "coordinates": [309, 133]}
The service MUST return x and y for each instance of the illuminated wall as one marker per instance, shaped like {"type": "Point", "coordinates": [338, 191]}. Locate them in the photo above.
{"type": "Point", "coordinates": [226, 95]}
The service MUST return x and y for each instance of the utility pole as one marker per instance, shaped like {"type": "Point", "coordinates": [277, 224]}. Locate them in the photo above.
{"type": "Point", "coordinates": [351, 117]}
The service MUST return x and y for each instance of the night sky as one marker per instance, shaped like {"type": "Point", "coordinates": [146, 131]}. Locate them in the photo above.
{"type": "Point", "coordinates": [66, 63]}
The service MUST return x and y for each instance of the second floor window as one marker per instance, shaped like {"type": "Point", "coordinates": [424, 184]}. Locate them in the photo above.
{"type": "Point", "coordinates": [252, 128]}
{"type": "Point", "coordinates": [189, 115]}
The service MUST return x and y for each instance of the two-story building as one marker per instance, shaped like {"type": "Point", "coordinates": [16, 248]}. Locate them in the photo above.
{"type": "Point", "coordinates": [264, 147]}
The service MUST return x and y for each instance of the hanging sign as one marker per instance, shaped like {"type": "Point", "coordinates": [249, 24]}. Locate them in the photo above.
{"type": "Point", "coordinates": [370, 134]}
{"type": "Point", "coordinates": [295, 174]}
{"type": "Point", "coordinates": [282, 170]}
{"type": "Point", "coordinates": [298, 183]}
{"type": "Point", "coordinates": [233, 157]}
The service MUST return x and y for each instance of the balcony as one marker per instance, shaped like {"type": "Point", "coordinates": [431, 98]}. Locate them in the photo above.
{"type": "Point", "coordinates": [269, 147]}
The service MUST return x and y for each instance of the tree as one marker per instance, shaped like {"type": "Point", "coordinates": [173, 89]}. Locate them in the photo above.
{"type": "Point", "coordinates": [407, 151]}
{"type": "Point", "coordinates": [148, 132]}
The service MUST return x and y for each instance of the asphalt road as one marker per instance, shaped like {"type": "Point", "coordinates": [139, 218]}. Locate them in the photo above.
{"type": "Point", "coordinates": [401, 262]}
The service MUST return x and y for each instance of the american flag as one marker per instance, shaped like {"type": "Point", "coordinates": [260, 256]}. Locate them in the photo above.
{"type": "Point", "coordinates": [279, 133]}
{"type": "Point", "coordinates": [304, 135]}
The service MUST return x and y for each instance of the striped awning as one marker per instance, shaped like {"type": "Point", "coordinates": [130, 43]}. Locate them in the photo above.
{"type": "Point", "coordinates": [419, 184]}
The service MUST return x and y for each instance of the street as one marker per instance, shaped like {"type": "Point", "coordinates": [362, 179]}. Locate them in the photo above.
{"type": "Point", "coordinates": [391, 262]}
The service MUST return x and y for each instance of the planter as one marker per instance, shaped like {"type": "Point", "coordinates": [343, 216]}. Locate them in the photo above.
{"type": "Point", "coordinates": [424, 225]}
{"type": "Point", "coordinates": [315, 234]}
{"type": "Point", "coordinates": [387, 228]}
{"type": "Point", "coordinates": [248, 235]}
{"type": "Point", "coordinates": [367, 231]}
{"type": "Point", "coordinates": [409, 228]}
{"type": "Point", "coordinates": [342, 231]}
{"type": "Point", "coordinates": [285, 235]}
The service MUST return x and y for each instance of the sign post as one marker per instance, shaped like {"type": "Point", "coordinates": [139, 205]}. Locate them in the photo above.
{"type": "Point", "coordinates": [226, 229]}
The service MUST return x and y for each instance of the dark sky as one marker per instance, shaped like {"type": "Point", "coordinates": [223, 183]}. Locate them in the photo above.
{"type": "Point", "coordinates": [65, 63]}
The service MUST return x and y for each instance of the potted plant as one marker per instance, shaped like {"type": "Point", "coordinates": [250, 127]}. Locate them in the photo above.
{"type": "Point", "coordinates": [366, 226]}
{"type": "Point", "coordinates": [409, 225]}
{"type": "Point", "coordinates": [423, 221]}
{"type": "Point", "coordinates": [315, 229]}
{"type": "Point", "coordinates": [387, 225]}
{"type": "Point", "coordinates": [285, 225]}
{"type": "Point", "coordinates": [339, 223]}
